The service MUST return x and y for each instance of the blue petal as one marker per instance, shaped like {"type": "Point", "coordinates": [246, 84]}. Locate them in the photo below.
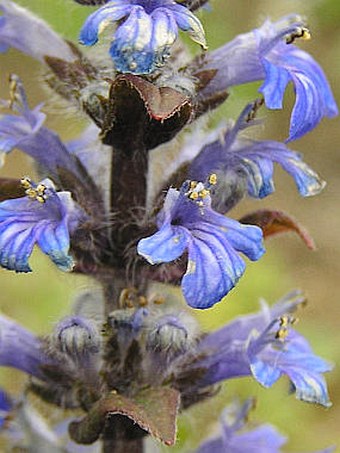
{"type": "Point", "coordinates": [214, 268]}
{"type": "Point", "coordinates": [235, 159]}
{"type": "Point", "coordinates": [307, 181]}
{"type": "Point", "coordinates": [212, 241]}
{"type": "Point", "coordinates": [97, 21]}
{"type": "Point", "coordinates": [260, 175]}
{"type": "Point", "coordinates": [263, 55]}
{"type": "Point", "coordinates": [247, 239]}
{"type": "Point", "coordinates": [20, 29]}
{"type": "Point", "coordinates": [314, 98]}
{"type": "Point", "coordinates": [263, 153]}
{"type": "Point", "coordinates": [187, 21]}
{"type": "Point", "coordinates": [55, 242]}
{"type": "Point", "coordinates": [274, 85]}
{"type": "Point", "coordinates": [164, 246]}
{"type": "Point", "coordinates": [19, 348]}
{"type": "Point", "coordinates": [26, 132]}
{"type": "Point", "coordinates": [295, 359]}
{"type": "Point", "coordinates": [25, 222]}
{"type": "Point", "coordinates": [235, 439]}
{"type": "Point", "coordinates": [16, 244]}
{"type": "Point", "coordinates": [143, 41]}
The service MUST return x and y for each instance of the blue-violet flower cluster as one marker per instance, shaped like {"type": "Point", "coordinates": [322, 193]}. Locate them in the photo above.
{"type": "Point", "coordinates": [141, 203]}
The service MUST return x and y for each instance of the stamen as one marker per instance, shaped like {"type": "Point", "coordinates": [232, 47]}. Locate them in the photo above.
{"type": "Point", "coordinates": [255, 108]}
{"type": "Point", "coordinates": [285, 322]}
{"type": "Point", "coordinates": [213, 179]}
{"type": "Point", "coordinates": [36, 192]}
{"type": "Point", "coordinates": [26, 182]}
{"type": "Point", "coordinates": [301, 32]}
{"type": "Point", "coordinates": [198, 191]}
{"type": "Point", "coordinates": [159, 300]}
{"type": "Point", "coordinates": [281, 334]}
{"type": "Point", "coordinates": [142, 301]}
{"type": "Point", "coordinates": [128, 298]}
{"type": "Point", "coordinates": [13, 94]}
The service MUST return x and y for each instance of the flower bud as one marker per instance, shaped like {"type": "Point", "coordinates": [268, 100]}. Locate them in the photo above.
{"type": "Point", "coordinates": [77, 337]}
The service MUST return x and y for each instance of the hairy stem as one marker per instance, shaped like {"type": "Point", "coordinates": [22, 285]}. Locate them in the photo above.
{"type": "Point", "coordinates": [128, 197]}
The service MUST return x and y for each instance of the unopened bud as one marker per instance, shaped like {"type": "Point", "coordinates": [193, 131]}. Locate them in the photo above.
{"type": "Point", "coordinates": [77, 337]}
{"type": "Point", "coordinates": [169, 334]}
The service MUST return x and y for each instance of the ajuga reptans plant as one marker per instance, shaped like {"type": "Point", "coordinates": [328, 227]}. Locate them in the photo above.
{"type": "Point", "coordinates": [141, 202]}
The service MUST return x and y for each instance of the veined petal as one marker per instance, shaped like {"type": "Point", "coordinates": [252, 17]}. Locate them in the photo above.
{"type": "Point", "coordinates": [22, 30]}
{"type": "Point", "coordinates": [44, 217]}
{"type": "Point", "coordinates": [214, 268]}
{"type": "Point", "coordinates": [275, 85]}
{"type": "Point", "coordinates": [243, 238]}
{"type": "Point", "coordinates": [243, 165]}
{"type": "Point", "coordinates": [97, 21]}
{"type": "Point", "coordinates": [212, 241]}
{"type": "Point", "coordinates": [263, 345]}
{"type": "Point", "coordinates": [307, 181]}
{"type": "Point", "coordinates": [265, 55]}
{"type": "Point", "coordinates": [314, 98]}
{"type": "Point", "coordinates": [296, 359]}
{"type": "Point", "coordinates": [164, 246]}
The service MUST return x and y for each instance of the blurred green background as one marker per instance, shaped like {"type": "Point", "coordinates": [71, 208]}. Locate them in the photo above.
{"type": "Point", "coordinates": [39, 299]}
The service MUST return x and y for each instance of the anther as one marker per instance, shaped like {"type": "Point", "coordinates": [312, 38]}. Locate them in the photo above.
{"type": "Point", "coordinates": [26, 182]}
{"type": "Point", "coordinates": [128, 297]}
{"type": "Point", "coordinates": [193, 195]}
{"type": "Point", "coordinates": [159, 300]}
{"type": "Point", "coordinates": [36, 193]}
{"type": "Point", "coordinates": [281, 334]}
{"type": "Point", "coordinates": [193, 185]}
{"type": "Point", "coordinates": [301, 32]}
{"type": "Point", "coordinates": [142, 301]}
{"type": "Point", "coordinates": [213, 179]}
{"type": "Point", "coordinates": [13, 84]}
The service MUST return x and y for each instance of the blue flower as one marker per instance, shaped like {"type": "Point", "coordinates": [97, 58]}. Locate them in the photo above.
{"type": "Point", "coordinates": [245, 165]}
{"type": "Point", "coordinates": [187, 223]}
{"type": "Point", "coordinates": [234, 439]}
{"type": "Point", "coordinates": [147, 30]}
{"type": "Point", "coordinates": [25, 131]}
{"type": "Point", "coordinates": [263, 345]}
{"type": "Point", "coordinates": [44, 217]}
{"type": "Point", "coordinates": [268, 54]}
{"type": "Point", "coordinates": [20, 349]}
{"type": "Point", "coordinates": [22, 30]}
